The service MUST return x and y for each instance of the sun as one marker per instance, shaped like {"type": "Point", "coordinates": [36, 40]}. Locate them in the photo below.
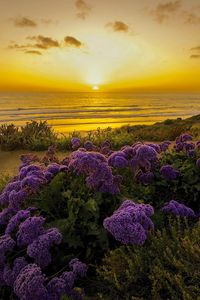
{"type": "Point", "coordinates": [95, 88]}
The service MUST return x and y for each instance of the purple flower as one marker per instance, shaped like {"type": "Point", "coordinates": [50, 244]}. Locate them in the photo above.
{"type": "Point", "coordinates": [39, 248]}
{"type": "Point", "coordinates": [29, 230]}
{"type": "Point", "coordinates": [53, 168]}
{"type": "Point", "coordinates": [179, 146]}
{"type": "Point", "coordinates": [10, 275]}
{"type": "Point", "coordinates": [69, 278]}
{"type": "Point", "coordinates": [169, 173]}
{"type": "Point", "coordinates": [79, 268]}
{"type": "Point", "coordinates": [4, 198]}
{"type": "Point", "coordinates": [6, 214]}
{"type": "Point", "coordinates": [33, 182]}
{"type": "Point", "coordinates": [128, 151]}
{"type": "Point", "coordinates": [130, 223]}
{"type": "Point", "coordinates": [56, 288]}
{"type": "Point", "coordinates": [48, 176]}
{"type": "Point", "coordinates": [88, 145]}
{"type": "Point", "coordinates": [6, 244]}
{"type": "Point", "coordinates": [185, 137]}
{"type": "Point", "coordinates": [155, 147]}
{"type": "Point", "coordinates": [146, 152]}
{"type": "Point", "coordinates": [178, 209]}
{"type": "Point", "coordinates": [189, 146]}
{"type": "Point", "coordinates": [17, 198]}
{"type": "Point", "coordinates": [118, 160]}
{"type": "Point", "coordinates": [28, 169]}
{"type": "Point", "coordinates": [13, 186]}
{"type": "Point", "coordinates": [165, 146]}
{"type": "Point", "coordinates": [29, 284]}
{"type": "Point", "coordinates": [76, 143]}
{"type": "Point", "coordinates": [20, 216]}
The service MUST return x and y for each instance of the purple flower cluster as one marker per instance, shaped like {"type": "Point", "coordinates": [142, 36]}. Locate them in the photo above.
{"type": "Point", "coordinates": [95, 166]}
{"type": "Point", "coordinates": [130, 223]}
{"type": "Point", "coordinates": [76, 143]}
{"type": "Point", "coordinates": [39, 248]}
{"type": "Point", "coordinates": [118, 159]}
{"type": "Point", "coordinates": [164, 146]}
{"type": "Point", "coordinates": [184, 143]}
{"type": "Point", "coordinates": [88, 145]}
{"type": "Point", "coordinates": [178, 209]}
{"type": "Point", "coordinates": [31, 284]}
{"type": "Point", "coordinates": [29, 230]}
{"type": "Point", "coordinates": [169, 173]}
{"type": "Point", "coordinates": [25, 231]}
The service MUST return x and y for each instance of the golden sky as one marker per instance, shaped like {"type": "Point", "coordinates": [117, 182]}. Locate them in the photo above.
{"type": "Point", "coordinates": [116, 45]}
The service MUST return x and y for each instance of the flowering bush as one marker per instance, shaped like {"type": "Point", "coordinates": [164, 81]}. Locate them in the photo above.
{"type": "Point", "coordinates": [53, 211]}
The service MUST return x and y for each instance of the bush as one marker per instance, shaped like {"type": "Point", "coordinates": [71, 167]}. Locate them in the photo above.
{"type": "Point", "coordinates": [37, 135]}
{"type": "Point", "coordinates": [10, 137]}
{"type": "Point", "coordinates": [78, 212]}
{"type": "Point", "coordinates": [166, 267]}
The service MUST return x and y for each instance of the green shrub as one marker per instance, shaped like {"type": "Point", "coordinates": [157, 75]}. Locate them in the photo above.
{"type": "Point", "coordinates": [10, 137]}
{"type": "Point", "coordinates": [37, 135]}
{"type": "Point", "coordinates": [78, 212]}
{"type": "Point", "coordinates": [166, 267]}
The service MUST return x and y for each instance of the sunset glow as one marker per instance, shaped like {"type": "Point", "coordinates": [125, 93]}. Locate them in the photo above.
{"type": "Point", "coordinates": [138, 46]}
{"type": "Point", "coordinates": [95, 87]}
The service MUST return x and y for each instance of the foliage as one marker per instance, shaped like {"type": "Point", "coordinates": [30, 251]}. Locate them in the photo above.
{"type": "Point", "coordinates": [33, 136]}
{"type": "Point", "coordinates": [10, 137]}
{"type": "Point", "coordinates": [78, 213]}
{"type": "Point", "coordinates": [77, 198]}
{"type": "Point", "coordinates": [166, 267]}
{"type": "Point", "coordinates": [39, 135]}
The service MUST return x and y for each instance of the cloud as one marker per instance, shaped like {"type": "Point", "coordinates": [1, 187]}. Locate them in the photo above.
{"type": "Point", "coordinates": [118, 26]}
{"type": "Point", "coordinates": [43, 42]}
{"type": "Point", "coordinates": [195, 56]}
{"type": "Point", "coordinates": [24, 22]}
{"type": "Point", "coordinates": [71, 41]}
{"type": "Point", "coordinates": [191, 18]}
{"type": "Point", "coordinates": [164, 10]}
{"type": "Point", "coordinates": [34, 52]}
{"type": "Point", "coordinates": [195, 48]}
{"type": "Point", "coordinates": [83, 9]}
{"type": "Point", "coordinates": [17, 46]}
{"type": "Point", "coordinates": [196, 51]}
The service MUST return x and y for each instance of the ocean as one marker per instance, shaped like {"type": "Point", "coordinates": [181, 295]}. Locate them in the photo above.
{"type": "Point", "coordinates": [67, 112]}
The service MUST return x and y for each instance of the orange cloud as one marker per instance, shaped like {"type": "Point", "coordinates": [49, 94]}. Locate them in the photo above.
{"type": "Point", "coordinates": [195, 56]}
{"type": "Point", "coordinates": [71, 41]}
{"type": "Point", "coordinates": [118, 26]}
{"type": "Point", "coordinates": [44, 42]}
{"type": "Point", "coordinates": [164, 10]}
{"type": "Point", "coordinates": [24, 22]}
{"type": "Point", "coordinates": [83, 9]}
{"type": "Point", "coordinates": [196, 48]}
{"type": "Point", "coordinates": [34, 52]}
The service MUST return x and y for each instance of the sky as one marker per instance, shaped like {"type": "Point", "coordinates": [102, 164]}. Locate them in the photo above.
{"type": "Point", "coordinates": [115, 45]}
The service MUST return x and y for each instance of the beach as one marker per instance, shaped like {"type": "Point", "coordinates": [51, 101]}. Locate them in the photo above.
{"type": "Point", "coordinates": [67, 112]}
